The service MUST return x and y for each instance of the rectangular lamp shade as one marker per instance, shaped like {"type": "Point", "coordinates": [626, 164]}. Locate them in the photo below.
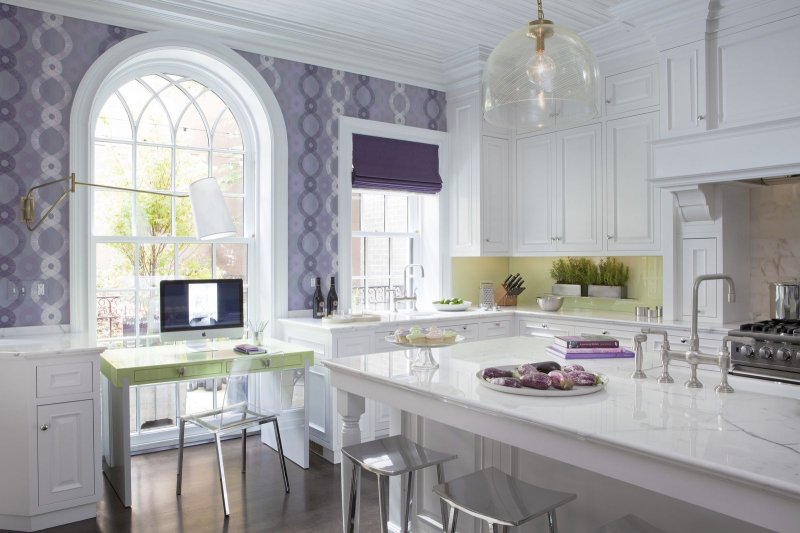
{"type": "Point", "coordinates": [212, 220]}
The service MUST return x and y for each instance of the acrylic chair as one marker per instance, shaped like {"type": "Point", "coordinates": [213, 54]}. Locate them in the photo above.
{"type": "Point", "coordinates": [236, 414]}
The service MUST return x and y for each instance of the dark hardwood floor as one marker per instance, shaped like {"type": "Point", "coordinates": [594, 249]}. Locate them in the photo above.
{"type": "Point", "coordinates": [257, 500]}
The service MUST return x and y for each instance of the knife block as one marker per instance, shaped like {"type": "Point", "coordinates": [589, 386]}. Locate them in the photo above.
{"type": "Point", "coordinates": [508, 300]}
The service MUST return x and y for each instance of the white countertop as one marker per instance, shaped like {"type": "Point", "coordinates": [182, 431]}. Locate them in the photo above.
{"type": "Point", "coordinates": [47, 345]}
{"type": "Point", "coordinates": [393, 320]}
{"type": "Point", "coordinates": [751, 436]}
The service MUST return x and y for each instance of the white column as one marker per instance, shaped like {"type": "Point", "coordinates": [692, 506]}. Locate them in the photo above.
{"type": "Point", "coordinates": [350, 407]}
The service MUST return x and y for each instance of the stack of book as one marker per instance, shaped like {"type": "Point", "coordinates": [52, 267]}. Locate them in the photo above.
{"type": "Point", "coordinates": [587, 347]}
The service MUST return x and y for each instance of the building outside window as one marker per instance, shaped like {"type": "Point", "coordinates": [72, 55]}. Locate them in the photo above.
{"type": "Point", "coordinates": [161, 132]}
{"type": "Point", "coordinates": [385, 238]}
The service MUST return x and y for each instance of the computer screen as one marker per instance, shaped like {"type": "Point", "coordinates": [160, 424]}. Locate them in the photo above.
{"type": "Point", "coordinates": [200, 309]}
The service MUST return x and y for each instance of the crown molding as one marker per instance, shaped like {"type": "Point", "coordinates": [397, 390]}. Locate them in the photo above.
{"type": "Point", "coordinates": [254, 32]}
{"type": "Point", "coordinates": [464, 69]}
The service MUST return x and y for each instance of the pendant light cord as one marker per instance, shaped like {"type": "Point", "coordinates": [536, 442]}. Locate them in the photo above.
{"type": "Point", "coordinates": [541, 11]}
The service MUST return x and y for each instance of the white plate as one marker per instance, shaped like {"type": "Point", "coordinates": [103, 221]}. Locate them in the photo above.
{"type": "Point", "coordinates": [450, 307]}
{"type": "Point", "coordinates": [578, 390]}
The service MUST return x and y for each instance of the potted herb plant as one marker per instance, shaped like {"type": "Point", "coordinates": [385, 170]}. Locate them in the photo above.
{"type": "Point", "coordinates": [612, 276]}
{"type": "Point", "coordinates": [572, 276]}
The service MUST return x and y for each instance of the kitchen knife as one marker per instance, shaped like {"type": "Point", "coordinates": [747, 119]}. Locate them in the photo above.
{"type": "Point", "coordinates": [505, 283]}
{"type": "Point", "coordinates": [511, 280]}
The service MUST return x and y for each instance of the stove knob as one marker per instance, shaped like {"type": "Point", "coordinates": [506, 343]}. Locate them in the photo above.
{"type": "Point", "coordinates": [746, 350]}
{"type": "Point", "coordinates": [784, 353]}
{"type": "Point", "coordinates": [765, 352]}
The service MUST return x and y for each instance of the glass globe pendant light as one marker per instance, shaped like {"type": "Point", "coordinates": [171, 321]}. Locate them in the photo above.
{"type": "Point", "coordinates": [542, 75]}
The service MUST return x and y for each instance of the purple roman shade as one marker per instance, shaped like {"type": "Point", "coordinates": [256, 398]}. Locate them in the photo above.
{"type": "Point", "coordinates": [393, 165]}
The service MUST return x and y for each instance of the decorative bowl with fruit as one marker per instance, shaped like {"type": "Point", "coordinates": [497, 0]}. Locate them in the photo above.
{"type": "Point", "coordinates": [452, 304]}
{"type": "Point", "coordinates": [546, 378]}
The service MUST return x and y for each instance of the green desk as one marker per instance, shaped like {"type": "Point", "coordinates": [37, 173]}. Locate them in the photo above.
{"type": "Point", "coordinates": [170, 363]}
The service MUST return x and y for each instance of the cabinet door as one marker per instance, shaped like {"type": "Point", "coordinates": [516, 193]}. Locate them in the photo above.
{"type": "Point", "coordinates": [635, 89]}
{"type": "Point", "coordinates": [496, 328]}
{"type": "Point", "coordinates": [320, 408]}
{"type": "Point", "coordinates": [535, 194]}
{"type": "Point", "coordinates": [698, 257]}
{"type": "Point", "coordinates": [683, 96]}
{"type": "Point", "coordinates": [495, 197]}
{"type": "Point", "coordinates": [470, 332]}
{"type": "Point", "coordinates": [631, 206]}
{"type": "Point", "coordinates": [66, 451]}
{"type": "Point", "coordinates": [464, 184]}
{"type": "Point", "coordinates": [578, 175]}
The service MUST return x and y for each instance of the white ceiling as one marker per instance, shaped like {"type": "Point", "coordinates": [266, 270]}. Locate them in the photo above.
{"type": "Point", "coordinates": [404, 40]}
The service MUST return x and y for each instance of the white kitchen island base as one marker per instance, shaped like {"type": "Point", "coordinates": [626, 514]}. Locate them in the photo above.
{"type": "Point", "coordinates": [706, 462]}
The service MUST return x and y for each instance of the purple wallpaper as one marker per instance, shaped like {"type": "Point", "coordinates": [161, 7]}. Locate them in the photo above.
{"type": "Point", "coordinates": [42, 60]}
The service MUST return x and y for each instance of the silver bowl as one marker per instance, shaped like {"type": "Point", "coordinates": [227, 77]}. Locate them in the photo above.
{"type": "Point", "coordinates": [550, 303]}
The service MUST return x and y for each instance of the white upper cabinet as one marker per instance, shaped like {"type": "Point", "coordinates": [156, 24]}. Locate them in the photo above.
{"type": "Point", "coordinates": [558, 192]}
{"type": "Point", "coordinates": [632, 90]}
{"type": "Point", "coordinates": [479, 182]}
{"type": "Point", "coordinates": [578, 189]}
{"type": "Point", "coordinates": [632, 212]}
{"type": "Point", "coordinates": [683, 97]}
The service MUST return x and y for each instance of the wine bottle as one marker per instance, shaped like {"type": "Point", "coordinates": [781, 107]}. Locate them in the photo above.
{"type": "Point", "coordinates": [333, 299]}
{"type": "Point", "coordinates": [318, 310]}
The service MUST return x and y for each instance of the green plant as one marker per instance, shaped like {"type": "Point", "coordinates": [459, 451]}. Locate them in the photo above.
{"type": "Point", "coordinates": [612, 272]}
{"type": "Point", "coordinates": [559, 271]}
{"type": "Point", "coordinates": [574, 271]}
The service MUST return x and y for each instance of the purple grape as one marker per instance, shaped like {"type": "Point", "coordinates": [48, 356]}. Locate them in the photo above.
{"type": "Point", "coordinates": [561, 380]}
{"type": "Point", "coordinates": [536, 380]}
{"type": "Point", "coordinates": [496, 373]}
{"type": "Point", "coordinates": [585, 378]}
{"type": "Point", "coordinates": [506, 382]}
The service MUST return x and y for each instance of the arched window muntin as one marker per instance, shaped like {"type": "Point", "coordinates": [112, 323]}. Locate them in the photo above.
{"type": "Point", "coordinates": [184, 70]}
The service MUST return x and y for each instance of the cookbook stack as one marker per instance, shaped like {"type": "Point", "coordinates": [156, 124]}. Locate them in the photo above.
{"type": "Point", "coordinates": [587, 347]}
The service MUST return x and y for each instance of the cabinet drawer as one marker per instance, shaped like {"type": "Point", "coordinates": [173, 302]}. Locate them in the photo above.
{"type": "Point", "coordinates": [65, 378]}
{"type": "Point", "coordinates": [543, 328]}
{"type": "Point", "coordinates": [353, 345]}
{"type": "Point", "coordinates": [261, 363]}
{"type": "Point", "coordinates": [495, 328]}
{"type": "Point", "coordinates": [380, 344]}
{"type": "Point", "coordinates": [179, 372]}
{"type": "Point", "coordinates": [470, 332]}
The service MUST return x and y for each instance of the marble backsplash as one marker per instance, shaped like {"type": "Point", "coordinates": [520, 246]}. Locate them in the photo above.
{"type": "Point", "coordinates": [774, 241]}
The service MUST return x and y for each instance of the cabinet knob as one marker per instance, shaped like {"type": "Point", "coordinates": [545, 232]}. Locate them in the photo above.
{"type": "Point", "coordinates": [486, 239]}
{"type": "Point", "coordinates": [181, 370]}
{"type": "Point", "coordinates": [609, 236]}
{"type": "Point", "coordinates": [701, 117]}
{"type": "Point", "coordinates": [608, 101]}
{"type": "Point", "coordinates": [558, 239]}
{"type": "Point", "coordinates": [605, 332]}
{"type": "Point", "coordinates": [44, 427]}
{"type": "Point", "coordinates": [683, 340]}
{"type": "Point", "coordinates": [544, 326]}
{"type": "Point", "coordinates": [265, 363]}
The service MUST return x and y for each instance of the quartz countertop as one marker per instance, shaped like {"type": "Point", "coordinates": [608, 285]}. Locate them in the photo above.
{"type": "Point", "coordinates": [751, 436]}
{"type": "Point", "coordinates": [392, 320]}
{"type": "Point", "coordinates": [47, 345]}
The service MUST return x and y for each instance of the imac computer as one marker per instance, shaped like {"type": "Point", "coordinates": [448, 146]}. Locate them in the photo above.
{"type": "Point", "coordinates": [200, 310]}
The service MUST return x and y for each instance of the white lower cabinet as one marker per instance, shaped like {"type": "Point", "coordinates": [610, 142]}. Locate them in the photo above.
{"type": "Point", "coordinates": [543, 328]}
{"type": "Point", "coordinates": [66, 450]}
{"type": "Point", "coordinates": [50, 461]}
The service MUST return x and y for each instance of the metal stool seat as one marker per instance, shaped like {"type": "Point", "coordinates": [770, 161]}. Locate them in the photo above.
{"type": "Point", "coordinates": [500, 500]}
{"type": "Point", "coordinates": [629, 524]}
{"type": "Point", "coordinates": [392, 456]}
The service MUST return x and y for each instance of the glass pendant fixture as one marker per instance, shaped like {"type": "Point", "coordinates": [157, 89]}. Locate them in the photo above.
{"type": "Point", "coordinates": [541, 76]}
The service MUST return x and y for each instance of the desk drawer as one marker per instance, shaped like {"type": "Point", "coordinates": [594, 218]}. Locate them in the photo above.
{"type": "Point", "coordinates": [277, 361]}
{"type": "Point", "coordinates": [179, 372]}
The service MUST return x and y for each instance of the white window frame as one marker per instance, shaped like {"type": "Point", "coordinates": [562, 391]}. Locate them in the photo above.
{"type": "Point", "coordinates": [414, 231]}
{"type": "Point", "coordinates": [434, 254]}
{"type": "Point", "coordinates": [249, 96]}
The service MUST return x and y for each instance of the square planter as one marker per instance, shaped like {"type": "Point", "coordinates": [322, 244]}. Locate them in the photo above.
{"type": "Point", "coordinates": [607, 291]}
{"type": "Point", "coordinates": [564, 289]}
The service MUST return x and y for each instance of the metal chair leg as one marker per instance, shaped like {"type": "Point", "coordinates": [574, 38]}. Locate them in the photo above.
{"type": "Point", "coordinates": [182, 427]}
{"type": "Point", "coordinates": [222, 484]}
{"type": "Point", "coordinates": [405, 515]}
{"type": "Point", "coordinates": [551, 519]}
{"type": "Point", "coordinates": [244, 451]}
{"type": "Point", "coordinates": [280, 453]}
{"type": "Point", "coordinates": [355, 486]}
{"type": "Point", "coordinates": [497, 528]}
{"type": "Point", "coordinates": [452, 518]}
{"type": "Point", "coordinates": [442, 503]}
{"type": "Point", "coordinates": [383, 502]}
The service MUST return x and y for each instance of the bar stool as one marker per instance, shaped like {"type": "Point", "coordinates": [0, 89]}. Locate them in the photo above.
{"type": "Point", "coordinates": [500, 500]}
{"type": "Point", "coordinates": [629, 524]}
{"type": "Point", "coordinates": [392, 456]}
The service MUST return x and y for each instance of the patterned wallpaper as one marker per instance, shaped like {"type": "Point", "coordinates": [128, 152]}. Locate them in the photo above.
{"type": "Point", "coordinates": [42, 60]}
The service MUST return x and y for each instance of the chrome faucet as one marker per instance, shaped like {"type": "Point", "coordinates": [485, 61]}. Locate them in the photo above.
{"type": "Point", "coordinates": [694, 339]}
{"type": "Point", "coordinates": [693, 356]}
{"type": "Point", "coordinates": [407, 295]}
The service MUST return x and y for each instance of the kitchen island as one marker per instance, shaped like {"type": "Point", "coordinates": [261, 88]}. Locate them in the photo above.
{"type": "Point", "coordinates": [686, 460]}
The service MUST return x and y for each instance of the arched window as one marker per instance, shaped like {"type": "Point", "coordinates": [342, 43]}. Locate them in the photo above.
{"type": "Point", "coordinates": [161, 132]}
